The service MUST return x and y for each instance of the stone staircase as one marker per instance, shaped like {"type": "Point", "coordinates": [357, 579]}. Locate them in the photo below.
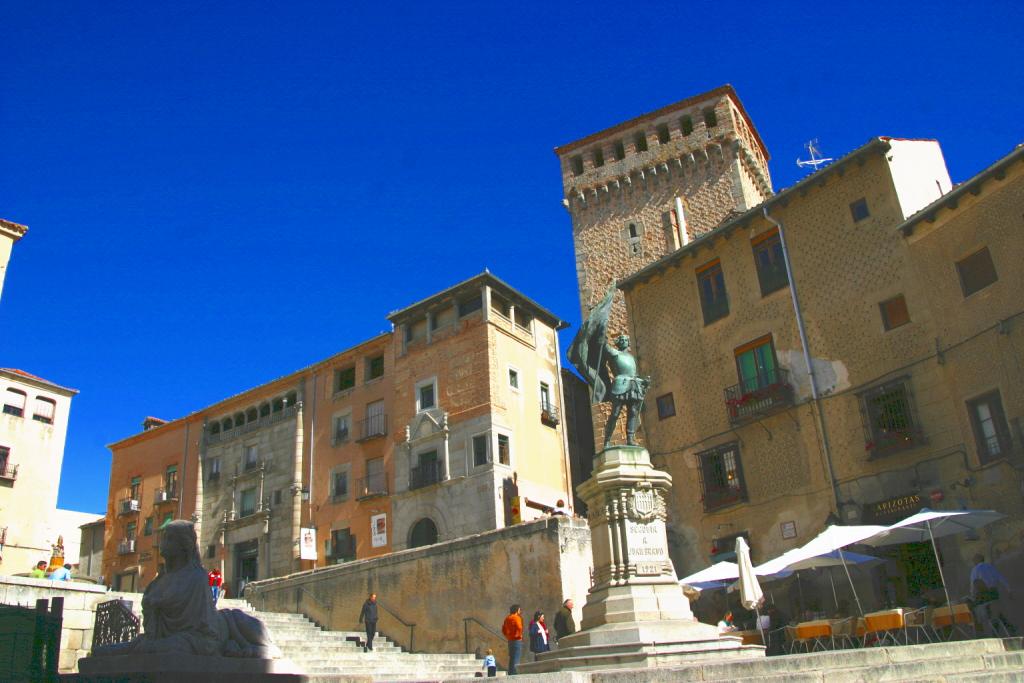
{"type": "Point", "coordinates": [337, 656]}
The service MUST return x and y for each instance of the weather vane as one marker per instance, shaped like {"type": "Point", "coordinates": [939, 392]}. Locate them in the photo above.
{"type": "Point", "coordinates": [816, 159]}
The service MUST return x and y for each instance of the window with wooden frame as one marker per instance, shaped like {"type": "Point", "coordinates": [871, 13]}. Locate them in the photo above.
{"type": "Point", "coordinates": [976, 271]}
{"type": "Point", "coordinates": [894, 312]}
{"type": "Point", "coordinates": [991, 434]}
{"type": "Point", "coordinates": [756, 365]}
{"type": "Point", "coordinates": [770, 262]}
{"type": "Point", "coordinates": [890, 418]}
{"type": "Point", "coordinates": [721, 476]}
{"type": "Point", "coordinates": [714, 301]}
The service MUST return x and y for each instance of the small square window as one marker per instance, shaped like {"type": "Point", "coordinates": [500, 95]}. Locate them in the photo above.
{"type": "Point", "coordinates": [663, 134]}
{"type": "Point", "coordinates": [577, 165]}
{"type": "Point", "coordinates": [686, 125]}
{"type": "Point", "coordinates": [374, 368]}
{"type": "Point", "coordinates": [598, 157]}
{"type": "Point", "coordinates": [504, 456]}
{"type": "Point", "coordinates": [666, 406]}
{"type": "Point", "coordinates": [640, 141]}
{"type": "Point", "coordinates": [513, 378]}
{"type": "Point", "coordinates": [480, 450]}
{"type": "Point", "coordinates": [710, 118]}
{"type": "Point", "coordinates": [620, 150]}
{"type": "Point", "coordinates": [859, 210]}
{"type": "Point", "coordinates": [344, 379]}
{"type": "Point", "coordinates": [894, 312]}
{"type": "Point", "coordinates": [976, 272]}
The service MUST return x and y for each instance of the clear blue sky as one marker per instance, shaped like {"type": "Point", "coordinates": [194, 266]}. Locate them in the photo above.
{"type": "Point", "coordinates": [221, 193]}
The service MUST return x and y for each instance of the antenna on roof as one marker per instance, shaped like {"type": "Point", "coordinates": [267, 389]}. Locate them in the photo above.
{"type": "Point", "coordinates": [816, 159]}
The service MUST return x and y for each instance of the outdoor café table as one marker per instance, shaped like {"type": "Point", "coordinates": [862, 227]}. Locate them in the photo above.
{"type": "Point", "coordinates": [886, 622]}
{"type": "Point", "coordinates": [958, 616]}
{"type": "Point", "coordinates": [749, 637]}
{"type": "Point", "coordinates": [819, 631]}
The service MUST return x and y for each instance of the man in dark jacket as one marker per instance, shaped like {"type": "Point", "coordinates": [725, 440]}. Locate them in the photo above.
{"type": "Point", "coordinates": [368, 615]}
{"type": "Point", "coordinates": [564, 623]}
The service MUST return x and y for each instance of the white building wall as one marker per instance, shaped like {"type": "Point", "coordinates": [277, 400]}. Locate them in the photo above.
{"type": "Point", "coordinates": [919, 173]}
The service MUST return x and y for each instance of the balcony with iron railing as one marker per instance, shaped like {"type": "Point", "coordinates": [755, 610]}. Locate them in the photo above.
{"type": "Point", "coordinates": [8, 471]}
{"type": "Point", "coordinates": [549, 414]}
{"type": "Point", "coordinates": [372, 427]}
{"type": "Point", "coordinates": [228, 434]}
{"type": "Point", "coordinates": [758, 396]}
{"type": "Point", "coordinates": [126, 547]}
{"type": "Point", "coordinates": [165, 495]}
{"type": "Point", "coordinates": [716, 496]}
{"type": "Point", "coordinates": [128, 506]}
{"type": "Point", "coordinates": [372, 486]}
{"type": "Point", "coordinates": [426, 474]}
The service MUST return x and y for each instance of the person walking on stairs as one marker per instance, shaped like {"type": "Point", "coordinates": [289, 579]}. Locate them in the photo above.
{"type": "Point", "coordinates": [368, 616]}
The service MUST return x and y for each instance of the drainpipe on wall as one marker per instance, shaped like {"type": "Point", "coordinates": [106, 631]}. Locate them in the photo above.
{"type": "Point", "coordinates": [819, 414]}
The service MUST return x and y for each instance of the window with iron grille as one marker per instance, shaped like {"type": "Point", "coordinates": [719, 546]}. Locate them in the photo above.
{"type": "Point", "coordinates": [771, 266]}
{"type": "Point", "coordinates": [721, 476]}
{"type": "Point", "coordinates": [988, 421]}
{"type": "Point", "coordinates": [890, 417]}
{"type": "Point", "coordinates": [976, 272]}
{"type": "Point", "coordinates": [714, 302]}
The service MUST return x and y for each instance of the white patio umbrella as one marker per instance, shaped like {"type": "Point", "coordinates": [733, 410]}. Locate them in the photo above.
{"type": "Point", "coordinates": [750, 590]}
{"type": "Point", "coordinates": [927, 525]}
{"type": "Point", "coordinates": [715, 576]}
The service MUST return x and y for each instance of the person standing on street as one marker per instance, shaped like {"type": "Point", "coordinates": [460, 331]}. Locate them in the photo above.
{"type": "Point", "coordinates": [512, 629]}
{"type": "Point", "coordinates": [564, 623]}
{"type": "Point", "coordinates": [368, 616]}
{"type": "Point", "coordinates": [216, 581]}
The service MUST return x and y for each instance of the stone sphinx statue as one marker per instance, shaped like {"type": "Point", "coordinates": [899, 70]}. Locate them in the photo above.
{"type": "Point", "coordinates": [178, 614]}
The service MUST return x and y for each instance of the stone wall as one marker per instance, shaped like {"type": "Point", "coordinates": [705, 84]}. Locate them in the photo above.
{"type": "Point", "coordinates": [80, 600]}
{"type": "Point", "coordinates": [448, 594]}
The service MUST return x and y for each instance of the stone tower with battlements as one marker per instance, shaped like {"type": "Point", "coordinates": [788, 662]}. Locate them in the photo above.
{"type": "Point", "coordinates": [645, 187]}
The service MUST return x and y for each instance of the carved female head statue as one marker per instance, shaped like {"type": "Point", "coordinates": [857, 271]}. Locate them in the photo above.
{"type": "Point", "coordinates": [179, 546]}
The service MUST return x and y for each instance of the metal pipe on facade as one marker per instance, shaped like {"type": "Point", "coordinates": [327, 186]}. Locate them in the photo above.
{"type": "Point", "coordinates": [819, 414]}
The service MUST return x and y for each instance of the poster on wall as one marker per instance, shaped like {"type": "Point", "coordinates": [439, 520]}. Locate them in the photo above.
{"type": "Point", "coordinates": [307, 544]}
{"type": "Point", "coordinates": [379, 530]}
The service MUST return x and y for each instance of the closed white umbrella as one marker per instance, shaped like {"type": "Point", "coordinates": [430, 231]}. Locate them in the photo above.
{"type": "Point", "coordinates": [927, 525]}
{"type": "Point", "coordinates": [750, 590]}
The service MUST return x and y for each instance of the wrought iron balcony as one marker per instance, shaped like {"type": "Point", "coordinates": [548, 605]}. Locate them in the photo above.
{"type": "Point", "coordinates": [373, 485]}
{"type": "Point", "coordinates": [426, 474]}
{"type": "Point", "coordinates": [126, 547]}
{"type": "Point", "coordinates": [373, 426]}
{"type": "Point", "coordinates": [758, 396]}
{"type": "Point", "coordinates": [888, 441]}
{"type": "Point", "coordinates": [8, 471]}
{"type": "Point", "coordinates": [166, 494]}
{"type": "Point", "coordinates": [549, 414]}
{"type": "Point", "coordinates": [128, 506]}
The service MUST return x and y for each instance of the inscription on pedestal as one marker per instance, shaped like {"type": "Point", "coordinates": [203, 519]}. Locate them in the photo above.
{"type": "Point", "coordinates": [646, 546]}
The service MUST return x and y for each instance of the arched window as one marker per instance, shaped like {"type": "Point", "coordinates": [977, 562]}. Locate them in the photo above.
{"type": "Point", "coordinates": [291, 398]}
{"type": "Point", "coordinates": [278, 405]}
{"type": "Point", "coordinates": [424, 532]}
{"type": "Point", "coordinates": [250, 415]}
{"type": "Point", "coordinates": [239, 419]}
{"type": "Point", "coordinates": [264, 410]}
{"type": "Point", "coordinates": [215, 427]}
{"type": "Point", "coordinates": [45, 409]}
{"type": "Point", "coordinates": [14, 402]}
{"type": "Point", "coordinates": [225, 424]}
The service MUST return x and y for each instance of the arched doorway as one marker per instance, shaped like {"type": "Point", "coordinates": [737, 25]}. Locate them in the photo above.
{"type": "Point", "coordinates": [424, 532]}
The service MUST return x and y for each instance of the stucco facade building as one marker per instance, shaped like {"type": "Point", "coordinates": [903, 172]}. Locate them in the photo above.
{"type": "Point", "coordinates": [898, 303]}
{"type": "Point", "coordinates": [446, 426]}
{"type": "Point", "coordinates": [10, 233]}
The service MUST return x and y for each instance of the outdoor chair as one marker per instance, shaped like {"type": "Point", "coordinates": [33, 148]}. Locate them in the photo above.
{"type": "Point", "coordinates": [777, 641]}
{"type": "Point", "coordinates": [918, 622]}
{"type": "Point", "coordinates": [843, 633]}
{"type": "Point", "coordinates": [794, 640]}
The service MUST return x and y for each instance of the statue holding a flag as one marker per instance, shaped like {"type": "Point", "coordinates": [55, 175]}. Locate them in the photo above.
{"type": "Point", "coordinates": [593, 356]}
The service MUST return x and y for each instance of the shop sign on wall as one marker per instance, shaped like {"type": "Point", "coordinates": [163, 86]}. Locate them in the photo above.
{"type": "Point", "coordinates": [892, 509]}
{"type": "Point", "coordinates": [379, 530]}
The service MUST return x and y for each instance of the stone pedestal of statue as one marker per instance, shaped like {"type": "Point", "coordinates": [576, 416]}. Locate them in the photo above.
{"type": "Point", "coordinates": [636, 614]}
{"type": "Point", "coordinates": [172, 668]}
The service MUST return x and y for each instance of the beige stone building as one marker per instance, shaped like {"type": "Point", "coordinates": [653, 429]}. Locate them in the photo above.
{"type": "Point", "coordinates": [446, 426]}
{"type": "Point", "coordinates": [9, 234]}
{"type": "Point", "coordinates": [33, 428]}
{"type": "Point", "coordinates": [649, 186]}
{"type": "Point", "coordinates": [876, 375]}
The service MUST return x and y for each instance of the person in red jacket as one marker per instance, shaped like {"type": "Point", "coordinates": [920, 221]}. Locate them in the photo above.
{"type": "Point", "coordinates": [216, 581]}
{"type": "Point", "coordinates": [512, 629]}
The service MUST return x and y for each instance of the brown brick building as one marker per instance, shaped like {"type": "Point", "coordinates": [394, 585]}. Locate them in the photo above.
{"type": "Point", "coordinates": [901, 297]}
{"type": "Point", "coordinates": [426, 433]}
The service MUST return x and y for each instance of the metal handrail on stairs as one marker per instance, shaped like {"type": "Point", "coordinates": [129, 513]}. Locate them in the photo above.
{"type": "Point", "coordinates": [403, 622]}
{"type": "Point", "coordinates": [300, 592]}
{"type": "Point", "coordinates": [465, 629]}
